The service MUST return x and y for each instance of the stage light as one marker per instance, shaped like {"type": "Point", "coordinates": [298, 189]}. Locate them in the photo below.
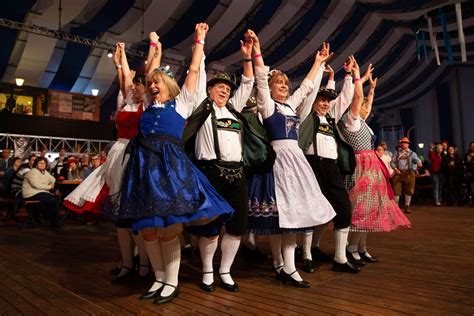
{"type": "Point", "coordinates": [19, 81]}
{"type": "Point", "coordinates": [421, 145]}
{"type": "Point", "coordinates": [109, 54]}
{"type": "Point", "coordinates": [95, 92]}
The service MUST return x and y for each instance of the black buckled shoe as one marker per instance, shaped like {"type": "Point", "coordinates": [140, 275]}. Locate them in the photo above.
{"type": "Point", "coordinates": [345, 267]}
{"type": "Point", "coordinates": [152, 294]}
{"type": "Point", "coordinates": [357, 262]}
{"type": "Point", "coordinates": [228, 287]}
{"type": "Point", "coordinates": [125, 277]}
{"type": "Point", "coordinates": [308, 266]}
{"type": "Point", "coordinates": [367, 258]}
{"type": "Point", "coordinates": [207, 287]}
{"type": "Point", "coordinates": [277, 272]}
{"type": "Point", "coordinates": [288, 278]}
{"type": "Point", "coordinates": [165, 299]}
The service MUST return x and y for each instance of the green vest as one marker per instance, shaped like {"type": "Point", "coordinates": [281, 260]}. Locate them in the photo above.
{"type": "Point", "coordinates": [345, 153]}
{"type": "Point", "coordinates": [258, 155]}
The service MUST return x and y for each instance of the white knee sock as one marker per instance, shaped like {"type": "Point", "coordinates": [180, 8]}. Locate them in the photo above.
{"type": "Point", "coordinates": [153, 250]}
{"type": "Point", "coordinates": [207, 247]}
{"type": "Point", "coordinates": [288, 243]}
{"type": "Point", "coordinates": [140, 246]}
{"type": "Point", "coordinates": [340, 239]}
{"type": "Point", "coordinates": [124, 236]}
{"type": "Point", "coordinates": [171, 251]}
{"type": "Point", "coordinates": [307, 239]}
{"type": "Point", "coordinates": [318, 234]}
{"type": "Point", "coordinates": [407, 200]}
{"type": "Point", "coordinates": [275, 245]}
{"type": "Point", "coordinates": [362, 247]}
{"type": "Point", "coordinates": [229, 247]}
{"type": "Point", "coordinates": [396, 198]}
{"type": "Point", "coordinates": [353, 246]}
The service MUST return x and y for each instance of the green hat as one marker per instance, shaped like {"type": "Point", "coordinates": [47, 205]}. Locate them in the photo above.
{"type": "Point", "coordinates": [224, 78]}
{"type": "Point", "coordinates": [331, 94]}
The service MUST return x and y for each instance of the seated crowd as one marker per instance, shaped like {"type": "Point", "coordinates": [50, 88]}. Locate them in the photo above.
{"type": "Point", "coordinates": [36, 178]}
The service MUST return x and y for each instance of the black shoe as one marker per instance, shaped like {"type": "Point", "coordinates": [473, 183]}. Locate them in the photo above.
{"type": "Point", "coordinates": [228, 287]}
{"type": "Point", "coordinates": [115, 271]}
{"type": "Point", "coordinates": [124, 278]}
{"type": "Point", "coordinates": [252, 254]}
{"type": "Point", "coordinates": [152, 294]}
{"type": "Point", "coordinates": [345, 267]}
{"type": "Point", "coordinates": [319, 255]}
{"type": "Point", "coordinates": [367, 258]}
{"type": "Point", "coordinates": [165, 299]}
{"type": "Point", "coordinates": [357, 262]}
{"type": "Point", "coordinates": [298, 254]}
{"type": "Point", "coordinates": [277, 272]}
{"type": "Point", "coordinates": [207, 287]}
{"type": "Point", "coordinates": [308, 266]}
{"type": "Point", "coordinates": [287, 278]}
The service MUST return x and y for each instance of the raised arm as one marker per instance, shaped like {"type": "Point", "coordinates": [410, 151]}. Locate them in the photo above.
{"type": "Point", "coordinates": [370, 94]}
{"type": "Point", "coordinates": [358, 92]}
{"type": "Point", "coordinates": [118, 67]}
{"type": "Point", "coordinates": [338, 106]}
{"type": "Point", "coordinates": [127, 78]}
{"type": "Point", "coordinates": [265, 104]}
{"type": "Point", "coordinates": [192, 77]}
{"type": "Point", "coordinates": [306, 107]}
{"type": "Point", "coordinates": [242, 94]}
{"type": "Point", "coordinates": [307, 86]}
{"type": "Point", "coordinates": [154, 53]}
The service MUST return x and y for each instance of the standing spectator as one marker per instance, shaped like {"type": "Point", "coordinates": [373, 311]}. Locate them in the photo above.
{"type": "Point", "coordinates": [37, 186]}
{"type": "Point", "coordinates": [445, 144]}
{"type": "Point", "coordinates": [437, 176]}
{"type": "Point", "coordinates": [469, 163]}
{"type": "Point", "coordinates": [405, 163]}
{"type": "Point", "coordinates": [453, 169]}
{"type": "Point", "coordinates": [387, 152]}
{"type": "Point", "coordinates": [386, 159]}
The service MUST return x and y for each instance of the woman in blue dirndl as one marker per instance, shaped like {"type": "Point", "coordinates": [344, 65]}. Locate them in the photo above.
{"type": "Point", "coordinates": [162, 189]}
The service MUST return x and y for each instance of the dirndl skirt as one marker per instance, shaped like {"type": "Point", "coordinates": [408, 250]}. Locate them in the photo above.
{"type": "Point", "coordinates": [373, 209]}
{"type": "Point", "coordinates": [102, 187]}
{"type": "Point", "coordinates": [292, 184]}
{"type": "Point", "coordinates": [161, 186]}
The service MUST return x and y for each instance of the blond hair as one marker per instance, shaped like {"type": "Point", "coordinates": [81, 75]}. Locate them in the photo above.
{"type": "Point", "coordinates": [275, 76]}
{"type": "Point", "coordinates": [169, 82]}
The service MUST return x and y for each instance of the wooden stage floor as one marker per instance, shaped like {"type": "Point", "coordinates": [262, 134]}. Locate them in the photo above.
{"type": "Point", "coordinates": [428, 269]}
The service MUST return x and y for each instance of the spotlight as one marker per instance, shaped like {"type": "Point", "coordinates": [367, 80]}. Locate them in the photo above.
{"type": "Point", "coordinates": [109, 54]}
{"type": "Point", "coordinates": [146, 62]}
{"type": "Point", "coordinates": [19, 81]}
{"type": "Point", "coordinates": [421, 145]}
{"type": "Point", "coordinates": [95, 92]}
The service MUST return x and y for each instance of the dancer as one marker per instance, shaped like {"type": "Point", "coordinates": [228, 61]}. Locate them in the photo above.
{"type": "Point", "coordinates": [288, 198]}
{"type": "Point", "coordinates": [330, 158]}
{"type": "Point", "coordinates": [370, 191]}
{"type": "Point", "coordinates": [405, 163]}
{"type": "Point", "coordinates": [102, 187]}
{"type": "Point", "coordinates": [162, 190]}
{"type": "Point", "coordinates": [218, 129]}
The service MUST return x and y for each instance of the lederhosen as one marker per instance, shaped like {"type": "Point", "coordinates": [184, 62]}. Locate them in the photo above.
{"type": "Point", "coordinates": [329, 172]}
{"type": "Point", "coordinates": [227, 177]}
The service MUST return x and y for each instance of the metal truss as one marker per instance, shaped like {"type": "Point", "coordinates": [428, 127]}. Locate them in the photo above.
{"type": "Point", "coordinates": [35, 29]}
{"type": "Point", "coordinates": [73, 146]}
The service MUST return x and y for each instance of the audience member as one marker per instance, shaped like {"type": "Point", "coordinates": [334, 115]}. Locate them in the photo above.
{"type": "Point", "coordinates": [453, 169]}
{"type": "Point", "coordinates": [58, 164]}
{"type": "Point", "coordinates": [95, 164]}
{"type": "Point", "coordinates": [437, 176]}
{"type": "Point", "coordinates": [469, 164]}
{"type": "Point", "coordinates": [37, 186]}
